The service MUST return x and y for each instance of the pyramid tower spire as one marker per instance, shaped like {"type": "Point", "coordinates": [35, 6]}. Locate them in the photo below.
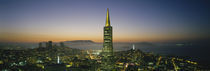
{"type": "Point", "coordinates": [107, 18]}
{"type": "Point", "coordinates": [108, 45]}
{"type": "Point", "coordinates": [107, 50]}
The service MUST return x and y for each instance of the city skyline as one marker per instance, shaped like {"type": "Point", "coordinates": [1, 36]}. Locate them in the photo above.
{"type": "Point", "coordinates": [134, 21]}
{"type": "Point", "coordinates": [105, 35]}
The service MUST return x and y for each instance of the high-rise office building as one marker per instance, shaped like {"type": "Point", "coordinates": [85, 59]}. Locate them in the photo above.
{"type": "Point", "coordinates": [40, 44]}
{"type": "Point", "coordinates": [107, 45]}
{"type": "Point", "coordinates": [107, 51]}
{"type": "Point", "coordinates": [49, 44]}
{"type": "Point", "coordinates": [46, 44]}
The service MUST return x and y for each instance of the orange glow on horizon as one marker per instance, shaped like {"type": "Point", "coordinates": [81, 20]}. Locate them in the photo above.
{"type": "Point", "coordinates": [96, 38]}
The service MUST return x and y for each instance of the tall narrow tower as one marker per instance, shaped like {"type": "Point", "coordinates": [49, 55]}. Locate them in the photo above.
{"type": "Point", "coordinates": [107, 51]}
{"type": "Point", "coordinates": [107, 45]}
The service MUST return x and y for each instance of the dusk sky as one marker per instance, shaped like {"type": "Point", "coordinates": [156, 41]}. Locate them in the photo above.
{"type": "Point", "coordinates": [132, 20]}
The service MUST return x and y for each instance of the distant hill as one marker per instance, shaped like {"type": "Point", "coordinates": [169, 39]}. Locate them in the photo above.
{"type": "Point", "coordinates": [80, 42]}
{"type": "Point", "coordinates": [83, 44]}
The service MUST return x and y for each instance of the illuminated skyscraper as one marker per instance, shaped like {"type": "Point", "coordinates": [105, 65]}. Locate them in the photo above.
{"type": "Point", "coordinates": [49, 44]}
{"type": "Point", "coordinates": [107, 51]}
{"type": "Point", "coordinates": [107, 46]}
